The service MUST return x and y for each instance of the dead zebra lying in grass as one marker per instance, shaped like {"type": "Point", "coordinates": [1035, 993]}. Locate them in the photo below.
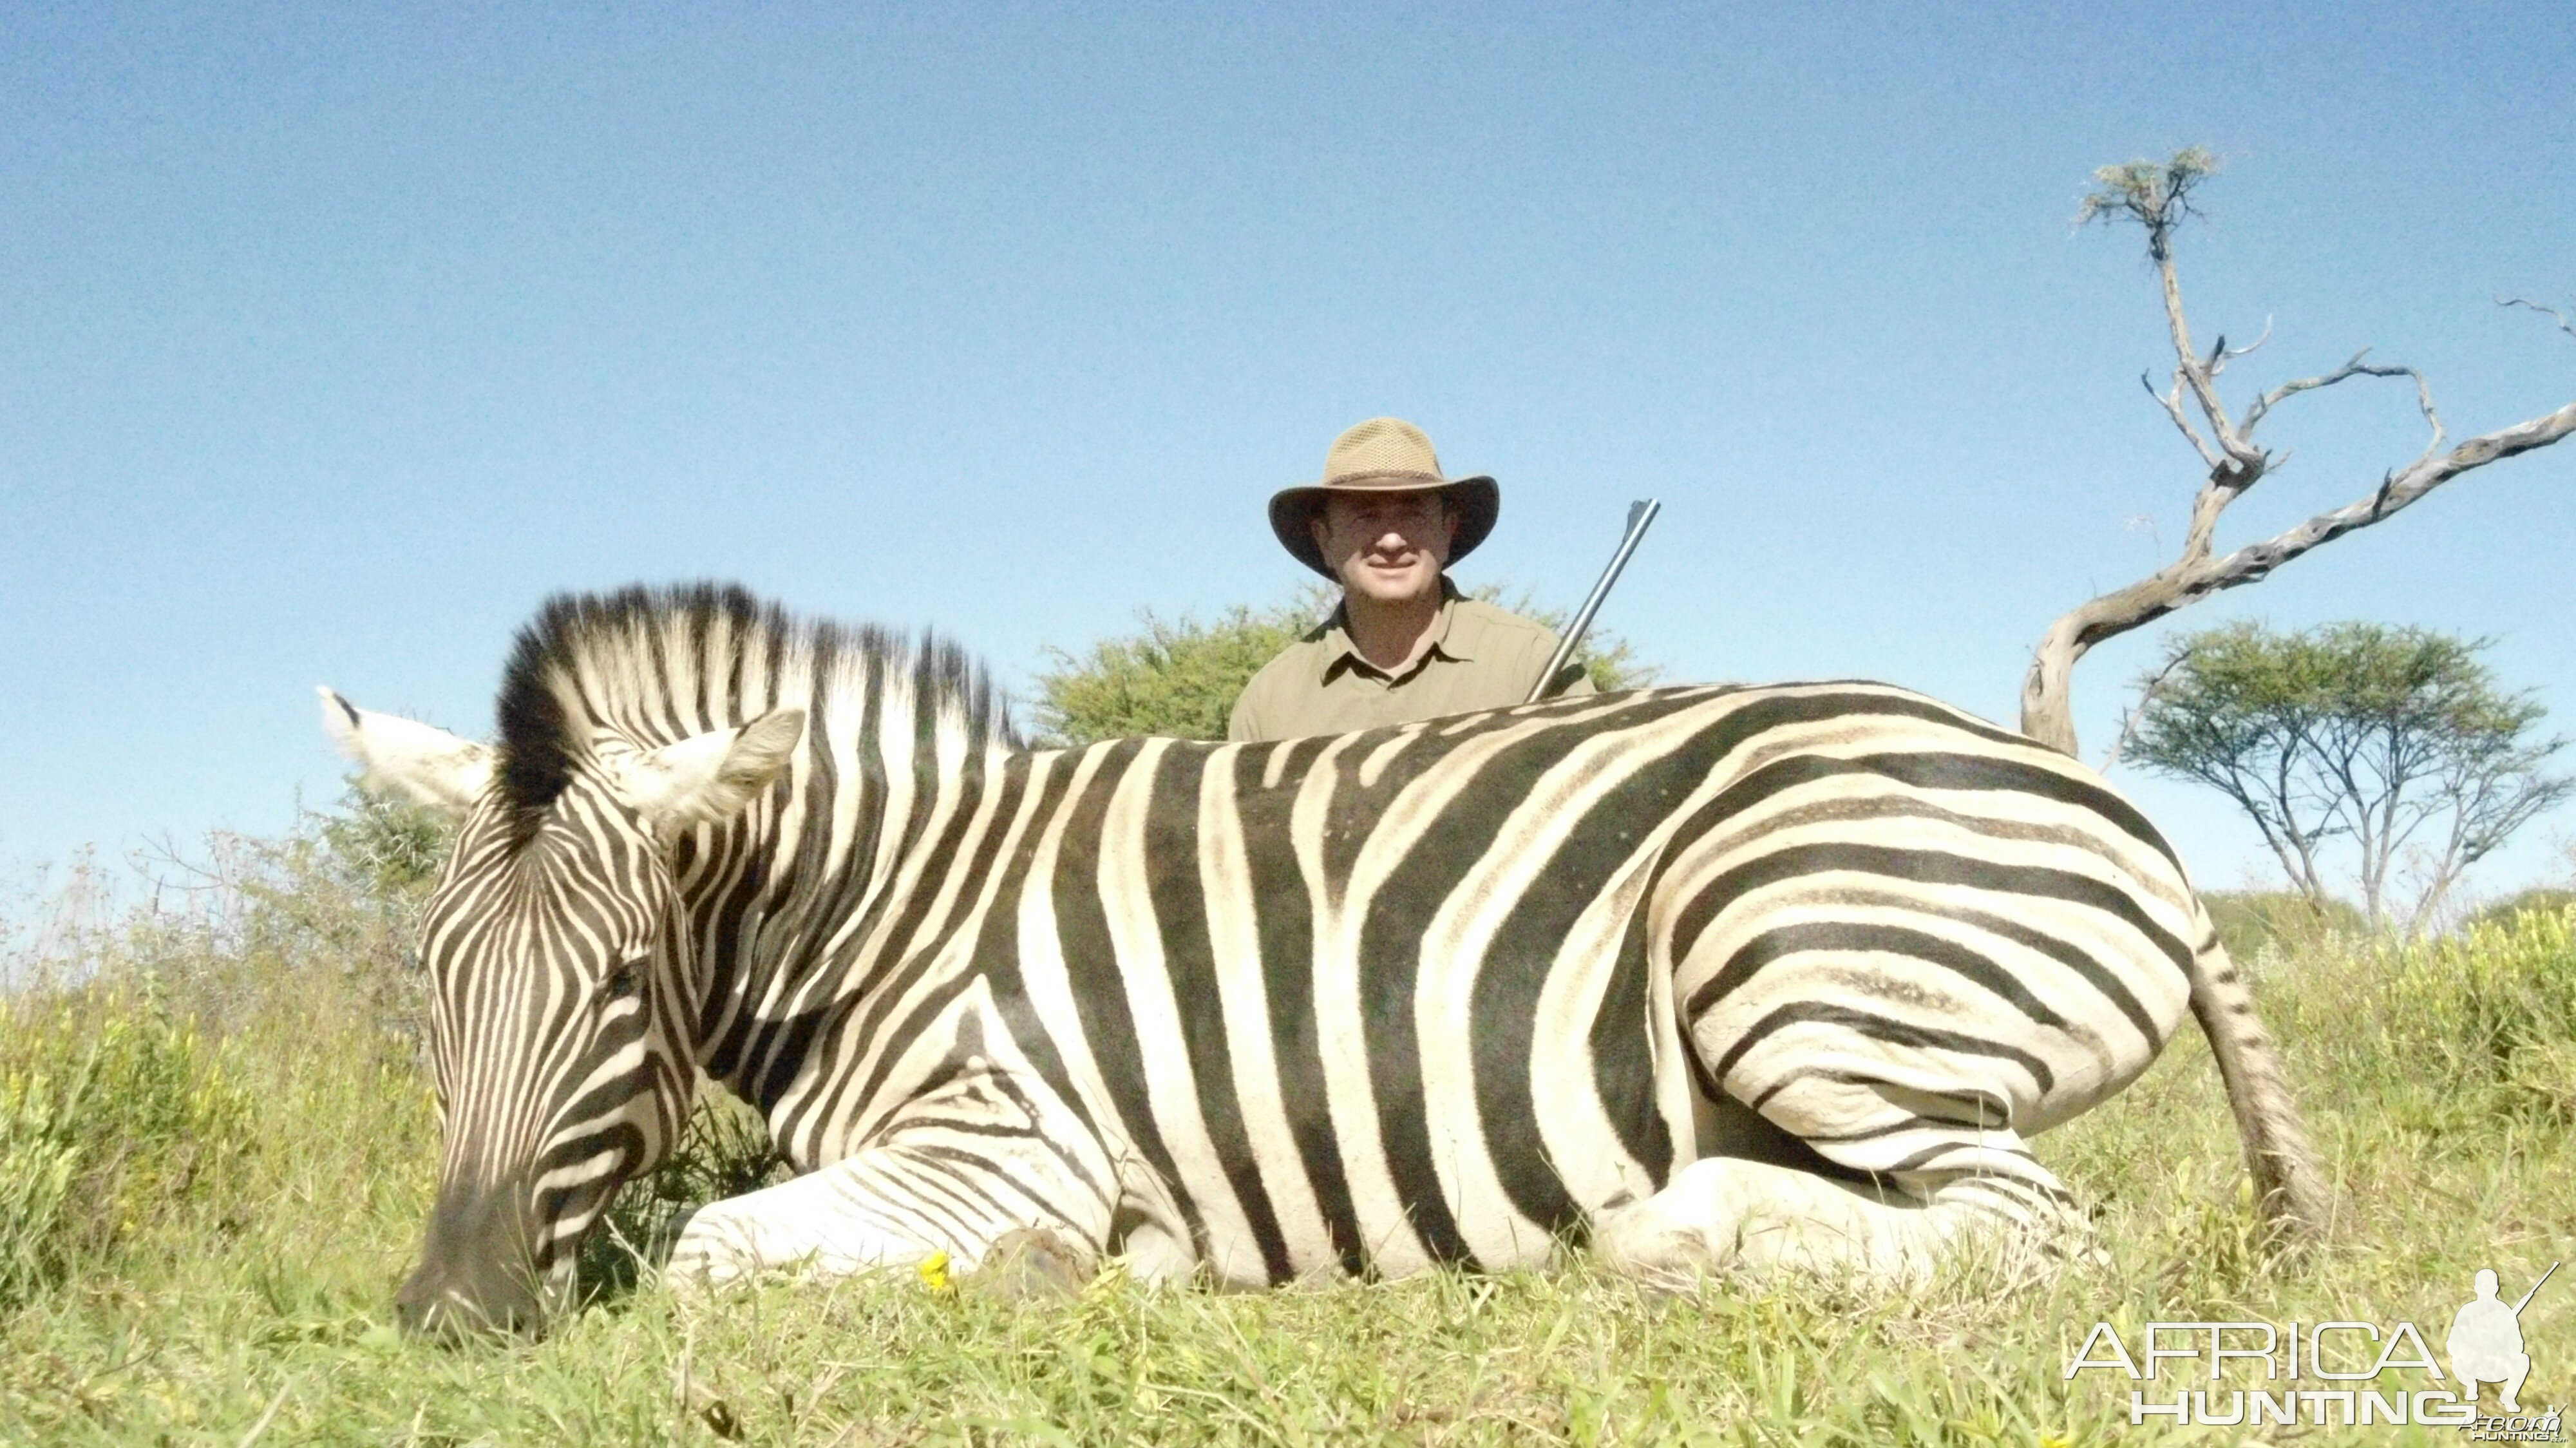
{"type": "Point", "coordinates": [1775, 976]}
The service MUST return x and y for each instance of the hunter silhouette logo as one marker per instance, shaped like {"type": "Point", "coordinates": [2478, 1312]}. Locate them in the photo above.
{"type": "Point", "coordinates": [2486, 1340]}
{"type": "Point", "coordinates": [2485, 1347]}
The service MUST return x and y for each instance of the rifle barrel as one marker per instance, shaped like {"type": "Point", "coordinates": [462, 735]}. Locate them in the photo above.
{"type": "Point", "coordinates": [1641, 513]}
{"type": "Point", "coordinates": [2535, 1290]}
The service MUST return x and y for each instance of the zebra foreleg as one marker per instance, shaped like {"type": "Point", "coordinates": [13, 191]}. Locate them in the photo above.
{"type": "Point", "coordinates": [895, 1206]}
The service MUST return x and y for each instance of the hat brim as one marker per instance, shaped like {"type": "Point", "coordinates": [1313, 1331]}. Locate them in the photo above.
{"type": "Point", "coordinates": [1479, 502]}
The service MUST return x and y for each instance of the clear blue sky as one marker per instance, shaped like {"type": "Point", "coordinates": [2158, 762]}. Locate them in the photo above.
{"type": "Point", "coordinates": [334, 338]}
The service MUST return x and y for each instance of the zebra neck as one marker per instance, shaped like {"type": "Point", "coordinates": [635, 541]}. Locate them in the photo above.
{"type": "Point", "coordinates": [830, 902]}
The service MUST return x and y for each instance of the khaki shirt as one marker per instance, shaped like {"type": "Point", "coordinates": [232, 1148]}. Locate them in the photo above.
{"type": "Point", "coordinates": [1480, 657]}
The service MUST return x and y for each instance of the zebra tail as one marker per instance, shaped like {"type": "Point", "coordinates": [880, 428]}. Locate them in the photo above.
{"type": "Point", "coordinates": [2291, 1190]}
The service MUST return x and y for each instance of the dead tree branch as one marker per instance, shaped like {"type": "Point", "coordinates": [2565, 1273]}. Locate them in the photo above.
{"type": "Point", "coordinates": [2171, 402]}
{"type": "Point", "coordinates": [2352, 367]}
{"type": "Point", "coordinates": [2552, 313]}
{"type": "Point", "coordinates": [2158, 197]}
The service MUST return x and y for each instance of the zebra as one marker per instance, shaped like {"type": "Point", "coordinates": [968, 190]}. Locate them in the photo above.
{"type": "Point", "coordinates": [1778, 978]}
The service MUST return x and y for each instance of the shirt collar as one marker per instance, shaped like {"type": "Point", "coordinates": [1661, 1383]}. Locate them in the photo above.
{"type": "Point", "coordinates": [1340, 653]}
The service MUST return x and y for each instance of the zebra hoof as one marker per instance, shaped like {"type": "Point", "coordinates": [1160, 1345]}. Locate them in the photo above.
{"type": "Point", "coordinates": [704, 1254]}
{"type": "Point", "coordinates": [1674, 1240]}
{"type": "Point", "coordinates": [1030, 1265]}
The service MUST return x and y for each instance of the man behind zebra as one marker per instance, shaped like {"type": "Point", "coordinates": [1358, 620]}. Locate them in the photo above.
{"type": "Point", "coordinates": [1386, 523]}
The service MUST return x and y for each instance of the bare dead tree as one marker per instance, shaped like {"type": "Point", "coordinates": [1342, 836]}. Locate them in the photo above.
{"type": "Point", "coordinates": [2157, 196]}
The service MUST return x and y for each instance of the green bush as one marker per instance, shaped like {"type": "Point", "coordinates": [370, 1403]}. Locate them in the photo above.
{"type": "Point", "coordinates": [38, 1150]}
{"type": "Point", "coordinates": [143, 1055]}
{"type": "Point", "coordinates": [2252, 921]}
{"type": "Point", "coordinates": [115, 1117]}
{"type": "Point", "coordinates": [2502, 912]}
{"type": "Point", "coordinates": [2492, 1009]}
{"type": "Point", "coordinates": [389, 850]}
{"type": "Point", "coordinates": [1176, 678]}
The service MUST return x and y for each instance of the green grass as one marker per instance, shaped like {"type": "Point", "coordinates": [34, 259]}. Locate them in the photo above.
{"type": "Point", "coordinates": [246, 1148]}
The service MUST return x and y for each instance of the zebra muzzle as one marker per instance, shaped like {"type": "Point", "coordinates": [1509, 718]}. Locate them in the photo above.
{"type": "Point", "coordinates": [477, 1272]}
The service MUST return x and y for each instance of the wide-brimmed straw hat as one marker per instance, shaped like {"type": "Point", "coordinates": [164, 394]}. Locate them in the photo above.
{"type": "Point", "coordinates": [1383, 455]}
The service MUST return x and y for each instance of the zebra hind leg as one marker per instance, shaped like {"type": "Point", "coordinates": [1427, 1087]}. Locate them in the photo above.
{"type": "Point", "coordinates": [1882, 1203]}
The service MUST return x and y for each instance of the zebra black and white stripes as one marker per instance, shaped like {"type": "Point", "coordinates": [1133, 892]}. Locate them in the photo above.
{"type": "Point", "coordinates": [1455, 992]}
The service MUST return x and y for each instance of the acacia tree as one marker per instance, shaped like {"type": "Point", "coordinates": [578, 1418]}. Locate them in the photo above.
{"type": "Point", "coordinates": [2396, 739]}
{"type": "Point", "coordinates": [2158, 197]}
{"type": "Point", "coordinates": [1179, 678]}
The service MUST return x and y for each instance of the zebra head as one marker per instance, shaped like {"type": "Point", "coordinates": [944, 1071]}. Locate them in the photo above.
{"type": "Point", "coordinates": [560, 979]}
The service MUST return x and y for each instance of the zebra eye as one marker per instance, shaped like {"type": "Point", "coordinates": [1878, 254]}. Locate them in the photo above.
{"type": "Point", "coordinates": [626, 979]}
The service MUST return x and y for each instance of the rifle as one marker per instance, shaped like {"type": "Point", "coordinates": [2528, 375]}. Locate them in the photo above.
{"type": "Point", "coordinates": [2535, 1290]}
{"type": "Point", "coordinates": [1640, 514]}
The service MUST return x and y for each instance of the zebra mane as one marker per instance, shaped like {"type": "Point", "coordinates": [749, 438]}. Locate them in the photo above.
{"type": "Point", "coordinates": [646, 662]}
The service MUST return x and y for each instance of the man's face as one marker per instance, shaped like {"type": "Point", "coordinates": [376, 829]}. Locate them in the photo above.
{"type": "Point", "coordinates": [1387, 546]}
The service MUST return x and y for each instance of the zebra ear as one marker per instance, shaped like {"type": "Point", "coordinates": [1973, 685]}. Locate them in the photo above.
{"type": "Point", "coordinates": [422, 763]}
{"type": "Point", "coordinates": [713, 776]}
